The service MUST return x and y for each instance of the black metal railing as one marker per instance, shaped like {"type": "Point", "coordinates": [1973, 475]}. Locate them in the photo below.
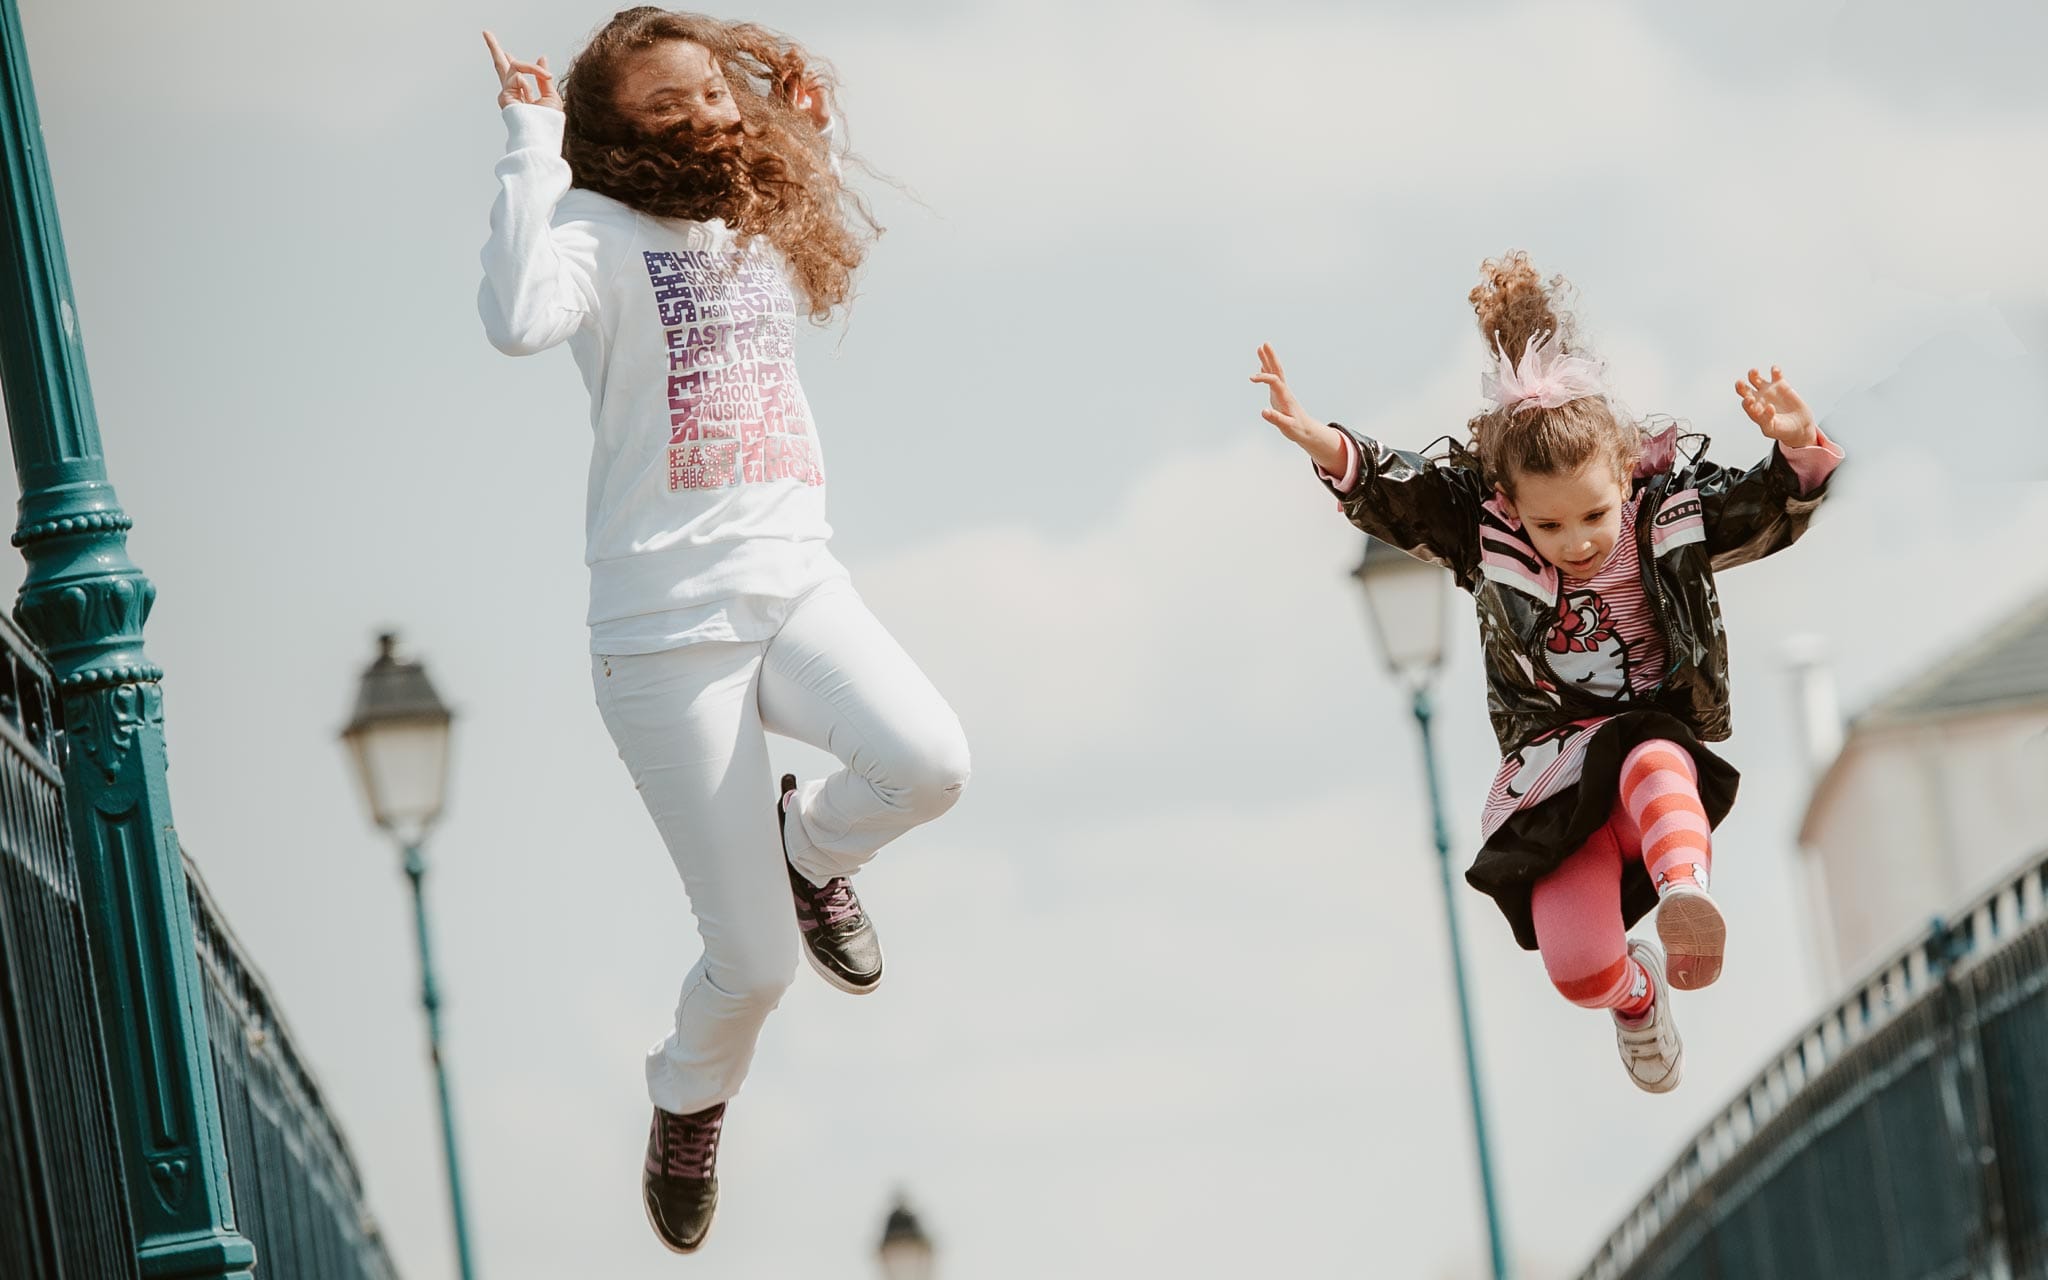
{"type": "Point", "coordinates": [1903, 1134]}
{"type": "Point", "coordinates": [64, 1211]}
{"type": "Point", "coordinates": [63, 1205]}
{"type": "Point", "coordinates": [298, 1195]}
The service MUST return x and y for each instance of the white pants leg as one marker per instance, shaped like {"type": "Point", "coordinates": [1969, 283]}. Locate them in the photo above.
{"type": "Point", "coordinates": [690, 725]}
{"type": "Point", "coordinates": [687, 724]}
{"type": "Point", "coordinates": [833, 677]}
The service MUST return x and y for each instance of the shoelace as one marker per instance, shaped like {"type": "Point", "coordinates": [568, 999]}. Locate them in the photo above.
{"type": "Point", "coordinates": [834, 903]}
{"type": "Point", "coordinates": [689, 1144]}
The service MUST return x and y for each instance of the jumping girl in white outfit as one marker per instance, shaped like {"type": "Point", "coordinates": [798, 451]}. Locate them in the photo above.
{"type": "Point", "coordinates": [669, 215]}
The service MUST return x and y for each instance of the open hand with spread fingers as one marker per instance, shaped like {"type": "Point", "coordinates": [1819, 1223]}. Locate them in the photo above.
{"type": "Point", "coordinates": [1776, 409]}
{"type": "Point", "coordinates": [512, 74]}
{"type": "Point", "coordinates": [806, 92]}
{"type": "Point", "coordinates": [1323, 443]}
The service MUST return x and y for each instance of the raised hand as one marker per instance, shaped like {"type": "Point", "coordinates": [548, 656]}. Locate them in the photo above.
{"type": "Point", "coordinates": [1322, 442]}
{"type": "Point", "coordinates": [512, 86]}
{"type": "Point", "coordinates": [1776, 409]}
{"type": "Point", "coordinates": [807, 94]}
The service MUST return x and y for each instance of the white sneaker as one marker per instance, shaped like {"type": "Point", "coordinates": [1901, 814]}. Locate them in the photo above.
{"type": "Point", "coordinates": [1695, 936]}
{"type": "Point", "coordinates": [1652, 1052]}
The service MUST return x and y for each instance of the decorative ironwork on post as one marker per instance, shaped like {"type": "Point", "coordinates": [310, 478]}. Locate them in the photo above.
{"type": "Point", "coordinates": [84, 604]}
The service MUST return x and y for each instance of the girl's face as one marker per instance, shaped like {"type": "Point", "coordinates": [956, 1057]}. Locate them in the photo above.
{"type": "Point", "coordinates": [1573, 519]}
{"type": "Point", "coordinates": [677, 84]}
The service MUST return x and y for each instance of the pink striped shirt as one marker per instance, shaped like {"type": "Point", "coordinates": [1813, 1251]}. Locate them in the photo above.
{"type": "Point", "coordinates": [1606, 639]}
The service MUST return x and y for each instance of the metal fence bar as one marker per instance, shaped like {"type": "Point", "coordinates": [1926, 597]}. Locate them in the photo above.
{"type": "Point", "coordinates": [1918, 1073]}
{"type": "Point", "coordinates": [63, 1206]}
{"type": "Point", "coordinates": [297, 1192]}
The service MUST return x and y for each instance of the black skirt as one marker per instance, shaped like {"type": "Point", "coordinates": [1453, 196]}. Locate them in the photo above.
{"type": "Point", "coordinates": [1532, 843]}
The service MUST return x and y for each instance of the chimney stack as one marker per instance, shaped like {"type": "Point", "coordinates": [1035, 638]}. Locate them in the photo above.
{"type": "Point", "coordinates": [1818, 708]}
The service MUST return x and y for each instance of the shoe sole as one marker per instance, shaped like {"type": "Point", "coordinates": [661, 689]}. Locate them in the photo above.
{"type": "Point", "coordinates": [649, 1209]}
{"type": "Point", "coordinates": [840, 980]}
{"type": "Point", "coordinates": [1695, 939]}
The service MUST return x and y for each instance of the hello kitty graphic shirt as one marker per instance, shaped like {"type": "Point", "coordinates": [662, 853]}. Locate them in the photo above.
{"type": "Point", "coordinates": [1604, 638]}
{"type": "Point", "coordinates": [705, 515]}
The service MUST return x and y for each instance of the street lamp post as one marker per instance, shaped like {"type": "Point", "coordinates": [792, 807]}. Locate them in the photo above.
{"type": "Point", "coordinates": [84, 602]}
{"type": "Point", "coordinates": [398, 740]}
{"type": "Point", "coordinates": [1405, 600]}
{"type": "Point", "coordinates": [906, 1251]}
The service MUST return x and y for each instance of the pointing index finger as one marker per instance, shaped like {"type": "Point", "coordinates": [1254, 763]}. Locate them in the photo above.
{"type": "Point", "coordinates": [498, 58]}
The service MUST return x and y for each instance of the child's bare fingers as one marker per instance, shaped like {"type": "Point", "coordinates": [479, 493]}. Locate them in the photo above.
{"type": "Point", "coordinates": [1277, 419]}
{"type": "Point", "coordinates": [498, 58]}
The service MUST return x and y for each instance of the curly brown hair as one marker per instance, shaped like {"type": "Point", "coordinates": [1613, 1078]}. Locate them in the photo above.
{"type": "Point", "coordinates": [776, 181]}
{"type": "Point", "coordinates": [1515, 304]}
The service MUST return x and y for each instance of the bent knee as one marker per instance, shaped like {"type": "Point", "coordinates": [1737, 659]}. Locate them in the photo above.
{"type": "Point", "coordinates": [931, 777]}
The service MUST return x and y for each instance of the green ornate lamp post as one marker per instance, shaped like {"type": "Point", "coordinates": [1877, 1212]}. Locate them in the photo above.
{"type": "Point", "coordinates": [84, 603]}
{"type": "Point", "coordinates": [1405, 601]}
{"type": "Point", "coordinates": [906, 1251]}
{"type": "Point", "coordinates": [398, 739]}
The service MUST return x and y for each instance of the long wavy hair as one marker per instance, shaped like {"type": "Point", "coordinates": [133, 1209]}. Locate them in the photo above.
{"type": "Point", "coordinates": [775, 181]}
{"type": "Point", "coordinates": [1513, 304]}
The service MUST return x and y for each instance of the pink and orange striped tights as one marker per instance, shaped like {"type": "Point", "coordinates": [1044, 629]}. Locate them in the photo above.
{"type": "Point", "coordinates": [1657, 818]}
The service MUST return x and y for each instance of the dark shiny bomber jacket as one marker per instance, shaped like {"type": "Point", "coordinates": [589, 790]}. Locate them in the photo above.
{"type": "Point", "coordinates": [1697, 517]}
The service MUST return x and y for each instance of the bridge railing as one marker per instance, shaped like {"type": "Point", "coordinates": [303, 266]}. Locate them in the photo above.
{"type": "Point", "coordinates": [298, 1195]}
{"type": "Point", "coordinates": [1896, 1135]}
{"type": "Point", "coordinates": [64, 1210]}
{"type": "Point", "coordinates": [63, 1205]}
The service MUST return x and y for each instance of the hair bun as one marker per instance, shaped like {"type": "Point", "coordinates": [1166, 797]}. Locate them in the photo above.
{"type": "Point", "coordinates": [1514, 304]}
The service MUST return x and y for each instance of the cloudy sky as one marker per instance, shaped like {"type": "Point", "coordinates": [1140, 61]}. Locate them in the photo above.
{"type": "Point", "coordinates": [1168, 991]}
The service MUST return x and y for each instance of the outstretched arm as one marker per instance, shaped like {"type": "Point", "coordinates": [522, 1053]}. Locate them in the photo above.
{"type": "Point", "coordinates": [1323, 443]}
{"type": "Point", "coordinates": [1401, 498]}
{"type": "Point", "coordinates": [1750, 514]}
{"type": "Point", "coordinates": [538, 279]}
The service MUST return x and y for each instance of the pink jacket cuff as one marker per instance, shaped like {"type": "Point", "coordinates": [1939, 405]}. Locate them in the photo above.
{"type": "Point", "coordinates": [1349, 480]}
{"type": "Point", "coordinates": [1814, 463]}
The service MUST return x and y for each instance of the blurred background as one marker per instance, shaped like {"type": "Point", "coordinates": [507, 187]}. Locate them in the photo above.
{"type": "Point", "coordinates": [1169, 990]}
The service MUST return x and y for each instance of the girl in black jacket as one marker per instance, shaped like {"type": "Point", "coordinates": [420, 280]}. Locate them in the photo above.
{"type": "Point", "coordinates": [1589, 544]}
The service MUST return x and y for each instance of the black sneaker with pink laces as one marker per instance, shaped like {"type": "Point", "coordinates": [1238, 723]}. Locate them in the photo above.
{"type": "Point", "coordinates": [838, 938]}
{"type": "Point", "coordinates": [679, 1181]}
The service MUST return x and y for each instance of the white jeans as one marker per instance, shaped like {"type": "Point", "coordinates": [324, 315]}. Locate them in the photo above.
{"type": "Point", "coordinates": [691, 725]}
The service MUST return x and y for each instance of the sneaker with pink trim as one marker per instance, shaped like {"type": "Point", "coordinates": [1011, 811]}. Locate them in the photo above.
{"type": "Point", "coordinates": [1650, 1047]}
{"type": "Point", "coordinates": [838, 937]}
{"type": "Point", "coordinates": [679, 1182]}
